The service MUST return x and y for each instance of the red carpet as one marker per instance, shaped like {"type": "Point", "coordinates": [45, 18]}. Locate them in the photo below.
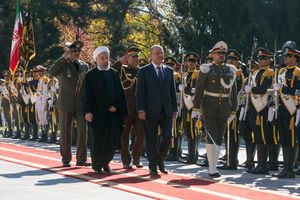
{"type": "Point", "coordinates": [138, 181]}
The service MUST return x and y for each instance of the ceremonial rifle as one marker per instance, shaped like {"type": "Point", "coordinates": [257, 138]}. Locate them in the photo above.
{"type": "Point", "coordinates": [276, 99]}
{"type": "Point", "coordinates": [249, 77]}
{"type": "Point", "coordinates": [182, 83]}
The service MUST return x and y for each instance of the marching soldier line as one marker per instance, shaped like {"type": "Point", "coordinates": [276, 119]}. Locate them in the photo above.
{"type": "Point", "coordinates": [262, 102]}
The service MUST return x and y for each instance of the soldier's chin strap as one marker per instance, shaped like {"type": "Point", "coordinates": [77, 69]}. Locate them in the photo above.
{"type": "Point", "coordinates": [212, 140]}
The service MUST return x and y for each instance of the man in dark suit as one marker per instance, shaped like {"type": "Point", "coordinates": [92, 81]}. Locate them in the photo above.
{"type": "Point", "coordinates": [156, 101]}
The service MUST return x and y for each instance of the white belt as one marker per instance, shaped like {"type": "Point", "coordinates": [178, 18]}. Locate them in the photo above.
{"type": "Point", "coordinates": [213, 94]}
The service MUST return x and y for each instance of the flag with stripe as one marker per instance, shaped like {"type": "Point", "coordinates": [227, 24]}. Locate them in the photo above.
{"type": "Point", "coordinates": [16, 41]}
{"type": "Point", "coordinates": [27, 48]}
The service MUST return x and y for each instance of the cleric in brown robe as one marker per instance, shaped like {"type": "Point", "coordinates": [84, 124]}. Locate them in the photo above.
{"type": "Point", "coordinates": [105, 107]}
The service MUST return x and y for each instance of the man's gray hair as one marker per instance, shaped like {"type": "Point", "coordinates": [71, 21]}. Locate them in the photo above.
{"type": "Point", "coordinates": [156, 46]}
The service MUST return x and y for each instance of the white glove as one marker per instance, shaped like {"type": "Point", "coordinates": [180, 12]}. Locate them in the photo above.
{"type": "Point", "coordinates": [297, 117]}
{"type": "Point", "coordinates": [196, 114]}
{"type": "Point", "coordinates": [276, 86]}
{"type": "Point", "coordinates": [231, 117]}
{"type": "Point", "coordinates": [248, 88]}
{"type": "Point", "coordinates": [180, 87]}
{"type": "Point", "coordinates": [242, 114]}
{"type": "Point", "coordinates": [271, 113]}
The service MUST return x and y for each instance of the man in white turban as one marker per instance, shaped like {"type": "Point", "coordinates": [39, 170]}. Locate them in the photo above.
{"type": "Point", "coordinates": [105, 107]}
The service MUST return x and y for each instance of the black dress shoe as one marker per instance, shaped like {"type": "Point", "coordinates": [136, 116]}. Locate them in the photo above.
{"type": "Point", "coordinates": [66, 164]}
{"type": "Point", "coordinates": [106, 168]}
{"type": "Point", "coordinates": [215, 175]}
{"type": "Point", "coordinates": [162, 169]}
{"type": "Point", "coordinates": [153, 172]}
{"type": "Point", "coordinates": [85, 163]}
{"type": "Point", "coordinates": [98, 171]}
{"type": "Point", "coordinates": [127, 167]}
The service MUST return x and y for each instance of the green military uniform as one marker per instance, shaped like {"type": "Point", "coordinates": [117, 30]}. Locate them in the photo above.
{"type": "Point", "coordinates": [70, 76]}
{"type": "Point", "coordinates": [175, 151]}
{"type": "Point", "coordinates": [5, 103]}
{"type": "Point", "coordinates": [216, 96]}
{"type": "Point", "coordinates": [128, 76]}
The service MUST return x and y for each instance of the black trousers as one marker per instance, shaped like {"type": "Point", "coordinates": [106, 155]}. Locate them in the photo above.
{"type": "Point", "coordinates": [157, 151]}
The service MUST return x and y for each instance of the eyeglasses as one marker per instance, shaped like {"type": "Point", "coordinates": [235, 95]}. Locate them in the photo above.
{"type": "Point", "coordinates": [76, 50]}
{"type": "Point", "coordinates": [288, 55]}
{"type": "Point", "coordinates": [192, 60]}
{"type": "Point", "coordinates": [263, 58]}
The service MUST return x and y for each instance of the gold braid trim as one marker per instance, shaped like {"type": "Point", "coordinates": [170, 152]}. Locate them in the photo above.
{"type": "Point", "coordinates": [131, 80]}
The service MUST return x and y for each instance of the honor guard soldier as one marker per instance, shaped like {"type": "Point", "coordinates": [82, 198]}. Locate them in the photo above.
{"type": "Point", "coordinates": [15, 102]}
{"type": "Point", "coordinates": [208, 57]}
{"type": "Point", "coordinates": [127, 67]}
{"type": "Point", "coordinates": [25, 95]}
{"type": "Point", "coordinates": [70, 73]}
{"type": "Point", "coordinates": [33, 84]}
{"type": "Point", "coordinates": [216, 100]}
{"type": "Point", "coordinates": [53, 112]}
{"type": "Point", "coordinates": [245, 127]}
{"type": "Point", "coordinates": [190, 125]}
{"type": "Point", "coordinates": [5, 103]}
{"type": "Point", "coordinates": [288, 87]}
{"type": "Point", "coordinates": [233, 57]}
{"type": "Point", "coordinates": [143, 62]}
{"type": "Point", "coordinates": [261, 81]}
{"type": "Point", "coordinates": [175, 151]}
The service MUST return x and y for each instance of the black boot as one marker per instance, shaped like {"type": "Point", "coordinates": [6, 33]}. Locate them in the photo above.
{"type": "Point", "coordinates": [18, 134]}
{"type": "Point", "coordinates": [26, 135]}
{"type": "Point", "coordinates": [289, 156]}
{"type": "Point", "coordinates": [191, 158]}
{"type": "Point", "coordinates": [34, 132]}
{"type": "Point", "coordinates": [273, 157]}
{"type": "Point", "coordinates": [262, 155]}
{"type": "Point", "coordinates": [233, 153]}
{"type": "Point", "coordinates": [53, 138]}
{"type": "Point", "coordinates": [173, 153]}
{"type": "Point", "coordinates": [250, 153]}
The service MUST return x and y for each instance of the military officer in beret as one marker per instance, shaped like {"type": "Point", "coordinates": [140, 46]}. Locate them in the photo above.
{"type": "Point", "coordinates": [191, 126]}
{"type": "Point", "coordinates": [5, 103]}
{"type": "Point", "coordinates": [261, 81]}
{"type": "Point", "coordinates": [288, 87]}
{"type": "Point", "coordinates": [127, 68]}
{"type": "Point", "coordinates": [175, 151]}
{"type": "Point", "coordinates": [70, 72]}
{"type": "Point", "coordinates": [233, 57]}
{"type": "Point", "coordinates": [216, 99]}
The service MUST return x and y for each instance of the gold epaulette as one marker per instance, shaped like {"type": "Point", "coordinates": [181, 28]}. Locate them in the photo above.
{"type": "Point", "coordinates": [268, 72]}
{"type": "Point", "coordinates": [176, 75]}
{"type": "Point", "coordinates": [195, 74]}
{"type": "Point", "coordinates": [238, 72]}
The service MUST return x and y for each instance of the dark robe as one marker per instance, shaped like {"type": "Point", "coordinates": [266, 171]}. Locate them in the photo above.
{"type": "Point", "coordinates": [102, 89]}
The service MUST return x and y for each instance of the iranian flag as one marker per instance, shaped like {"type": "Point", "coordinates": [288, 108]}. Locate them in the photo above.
{"type": "Point", "coordinates": [16, 41]}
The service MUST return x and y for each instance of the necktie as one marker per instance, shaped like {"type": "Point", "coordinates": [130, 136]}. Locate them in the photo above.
{"type": "Point", "coordinates": [160, 76]}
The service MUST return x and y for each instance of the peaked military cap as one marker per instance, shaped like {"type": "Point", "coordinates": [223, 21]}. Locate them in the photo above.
{"type": "Point", "coordinates": [208, 55]}
{"type": "Point", "coordinates": [170, 60]}
{"type": "Point", "coordinates": [232, 53]}
{"type": "Point", "coordinates": [291, 50]}
{"type": "Point", "coordinates": [76, 45]}
{"type": "Point", "coordinates": [41, 68]}
{"type": "Point", "coordinates": [220, 46]}
{"type": "Point", "coordinates": [6, 73]}
{"type": "Point", "coordinates": [192, 56]}
{"type": "Point", "coordinates": [263, 52]}
{"type": "Point", "coordinates": [133, 51]}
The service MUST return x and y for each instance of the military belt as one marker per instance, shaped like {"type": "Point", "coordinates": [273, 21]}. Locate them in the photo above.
{"type": "Point", "coordinates": [213, 94]}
